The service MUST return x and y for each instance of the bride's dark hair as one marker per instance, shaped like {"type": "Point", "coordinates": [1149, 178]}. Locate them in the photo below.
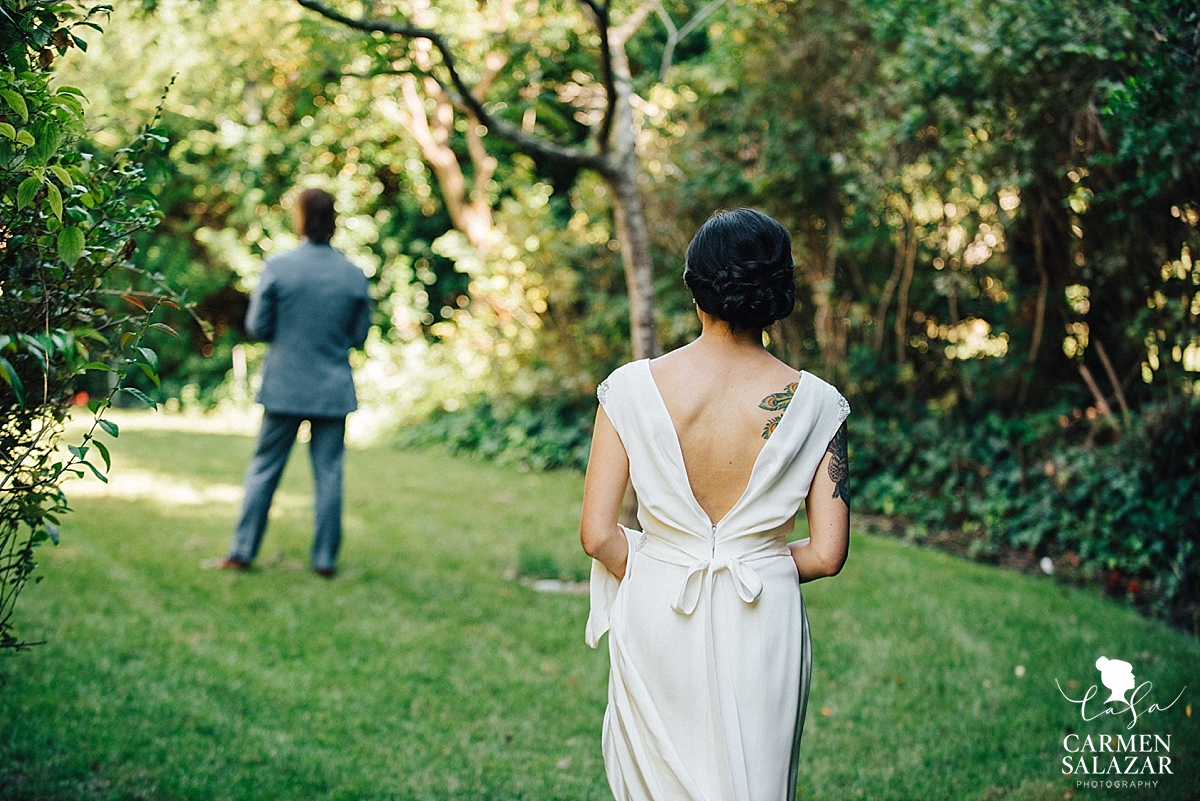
{"type": "Point", "coordinates": [739, 269]}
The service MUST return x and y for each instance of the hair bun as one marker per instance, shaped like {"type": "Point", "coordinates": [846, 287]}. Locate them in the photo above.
{"type": "Point", "coordinates": [739, 268]}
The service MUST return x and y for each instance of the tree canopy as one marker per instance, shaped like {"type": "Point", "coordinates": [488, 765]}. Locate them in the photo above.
{"type": "Point", "coordinates": [994, 207]}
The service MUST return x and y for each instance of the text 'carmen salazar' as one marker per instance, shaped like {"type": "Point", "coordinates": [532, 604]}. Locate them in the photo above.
{"type": "Point", "coordinates": [1107, 754]}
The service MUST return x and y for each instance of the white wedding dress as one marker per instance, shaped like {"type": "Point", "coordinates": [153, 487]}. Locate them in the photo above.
{"type": "Point", "coordinates": [708, 638]}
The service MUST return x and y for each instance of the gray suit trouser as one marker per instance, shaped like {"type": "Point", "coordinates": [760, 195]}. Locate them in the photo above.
{"type": "Point", "coordinates": [326, 451]}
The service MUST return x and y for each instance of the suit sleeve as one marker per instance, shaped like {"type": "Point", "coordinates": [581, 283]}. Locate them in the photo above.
{"type": "Point", "coordinates": [260, 317]}
{"type": "Point", "coordinates": [362, 317]}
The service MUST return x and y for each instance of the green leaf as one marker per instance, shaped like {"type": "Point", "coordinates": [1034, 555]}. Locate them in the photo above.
{"type": "Point", "coordinates": [103, 449]}
{"type": "Point", "coordinates": [149, 371]}
{"type": "Point", "coordinates": [126, 338]}
{"type": "Point", "coordinates": [96, 472]}
{"type": "Point", "coordinates": [54, 198]}
{"type": "Point", "coordinates": [35, 349]}
{"type": "Point", "coordinates": [51, 531]}
{"type": "Point", "coordinates": [91, 333]}
{"type": "Point", "coordinates": [71, 104]}
{"type": "Point", "coordinates": [164, 326]}
{"type": "Point", "coordinates": [70, 90]}
{"type": "Point", "coordinates": [70, 243]}
{"type": "Point", "coordinates": [62, 175]}
{"type": "Point", "coordinates": [12, 379]}
{"type": "Point", "coordinates": [137, 393]}
{"type": "Point", "coordinates": [150, 356]}
{"type": "Point", "coordinates": [16, 103]}
{"type": "Point", "coordinates": [135, 301]}
{"type": "Point", "coordinates": [25, 138]}
{"type": "Point", "coordinates": [96, 366]}
{"type": "Point", "coordinates": [7, 130]}
{"type": "Point", "coordinates": [49, 137]}
{"type": "Point", "coordinates": [110, 428]}
{"type": "Point", "coordinates": [27, 190]}
{"type": "Point", "coordinates": [79, 452]}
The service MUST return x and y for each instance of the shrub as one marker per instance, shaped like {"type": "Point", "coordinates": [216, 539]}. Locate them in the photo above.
{"type": "Point", "coordinates": [66, 226]}
{"type": "Point", "coordinates": [542, 433]}
{"type": "Point", "coordinates": [1124, 512]}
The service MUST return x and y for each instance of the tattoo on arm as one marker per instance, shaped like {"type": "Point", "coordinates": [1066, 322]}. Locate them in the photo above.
{"type": "Point", "coordinates": [839, 466]}
{"type": "Point", "coordinates": [777, 402]}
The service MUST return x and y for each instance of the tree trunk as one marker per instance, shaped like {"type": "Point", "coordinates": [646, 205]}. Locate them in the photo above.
{"type": "Point", "coordinates": [469, 209]}
{"type": "Point", "coordinates": [910, 260]}
{"type": "Point", "coordinates": [820, 266]}
{"type": "Point", "coordinates": [1039, 312]}
{"type": "Point", "coordinates": [630, 217]}
{"type": "Point", "coordinates": [628, 210]}
{"type": "Point", "coordinates": [885, 298]}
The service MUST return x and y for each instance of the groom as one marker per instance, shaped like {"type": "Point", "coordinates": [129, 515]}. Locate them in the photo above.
{"type": "Point", "coordinates": [312, 306]}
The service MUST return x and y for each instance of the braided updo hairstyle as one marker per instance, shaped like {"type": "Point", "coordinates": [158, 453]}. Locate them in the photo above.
{"type": "Point", "coordinates": [739, 269]}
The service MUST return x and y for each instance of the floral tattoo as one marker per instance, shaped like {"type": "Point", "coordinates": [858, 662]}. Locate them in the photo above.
{"type": "Point", "coordinates": [777, 402]}
{"type": "Point", "coordinates": [839, 466]}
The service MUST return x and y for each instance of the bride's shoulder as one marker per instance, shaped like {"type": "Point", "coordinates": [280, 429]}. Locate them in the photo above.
{"type": "Point", "coordinates": [628, 371]}
{"type": "Point", "coordinates": [815, 382]}
{"type": "Point", "coordinates": [782, 371]}
{"type": "Point", "coordinates": [828, 392]}
{"type": "Point", "coordinates": [620, 378]}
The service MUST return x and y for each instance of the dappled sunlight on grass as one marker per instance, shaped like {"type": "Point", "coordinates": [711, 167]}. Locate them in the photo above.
{"type": "Point", "coordinates": [228, 420]}
{"type": "Point", "coordinates": [132, 484]}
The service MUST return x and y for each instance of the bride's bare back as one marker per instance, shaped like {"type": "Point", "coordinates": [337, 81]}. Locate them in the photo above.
{"type": "Point", "coordinates": [724, 401]}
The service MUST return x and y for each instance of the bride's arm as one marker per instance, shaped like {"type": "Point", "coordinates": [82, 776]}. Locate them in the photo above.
{"type": "Point", "coordinates": [603, 490]}
{"type": "Point", "coordinates": [824, 551]}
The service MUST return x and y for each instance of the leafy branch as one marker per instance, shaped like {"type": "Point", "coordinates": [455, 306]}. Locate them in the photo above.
{"type": "Point", "coordinates": [66, 233]}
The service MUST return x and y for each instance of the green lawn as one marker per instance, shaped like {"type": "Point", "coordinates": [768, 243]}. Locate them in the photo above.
{"type": "Point", "coordinates": [425, 672]}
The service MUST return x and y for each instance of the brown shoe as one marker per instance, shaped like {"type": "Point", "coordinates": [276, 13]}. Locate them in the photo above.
{"type": "Point", "coordinates": [224, 563]}
{"type": "Point", "coordinates": [325, 572]}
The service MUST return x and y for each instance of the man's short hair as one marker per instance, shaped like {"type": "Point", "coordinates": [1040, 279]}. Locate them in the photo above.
{"type": "Point", "coordinates": [316, 215]}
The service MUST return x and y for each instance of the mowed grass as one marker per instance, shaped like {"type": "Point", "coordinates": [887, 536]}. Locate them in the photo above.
{"type": "Point", "coordinates": [423, 671]}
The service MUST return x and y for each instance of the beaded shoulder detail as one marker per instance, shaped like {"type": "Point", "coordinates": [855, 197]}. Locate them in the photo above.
{"type": "Point", "coordinates": [843, 408]}
{"type": "Point", "coordinates": [602, 392]}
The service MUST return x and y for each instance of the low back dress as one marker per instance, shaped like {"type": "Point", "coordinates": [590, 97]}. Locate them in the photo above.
{"type": "Point", "coordinates": [708, 637]}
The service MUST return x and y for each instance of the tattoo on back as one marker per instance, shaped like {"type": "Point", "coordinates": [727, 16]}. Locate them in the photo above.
{"type": "Point", "coordinates": [839, 466]}
{"type": "Point", "coordinates": [777, 402]}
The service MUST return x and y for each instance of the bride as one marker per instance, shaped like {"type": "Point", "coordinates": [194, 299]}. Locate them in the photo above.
{"type": "Point", "coordinates": [708, 638]}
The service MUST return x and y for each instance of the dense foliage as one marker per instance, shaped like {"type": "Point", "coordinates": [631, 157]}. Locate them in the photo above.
{"type": "Point", "coordinates": [65, 242]}
{"type": "Point", "coordinates": [994, 206]}
{"type": "Point", "coordinates": [539, 434]}
{"type": "Point", "coordinates": [1123, 513]}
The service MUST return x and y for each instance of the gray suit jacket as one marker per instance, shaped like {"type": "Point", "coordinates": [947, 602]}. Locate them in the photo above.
{"type": "Point", "coordinates": [312, 305]}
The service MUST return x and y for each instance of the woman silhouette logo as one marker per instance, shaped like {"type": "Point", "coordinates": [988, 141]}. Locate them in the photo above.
{"type": "Point", "coordinates": [1116, 675]}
